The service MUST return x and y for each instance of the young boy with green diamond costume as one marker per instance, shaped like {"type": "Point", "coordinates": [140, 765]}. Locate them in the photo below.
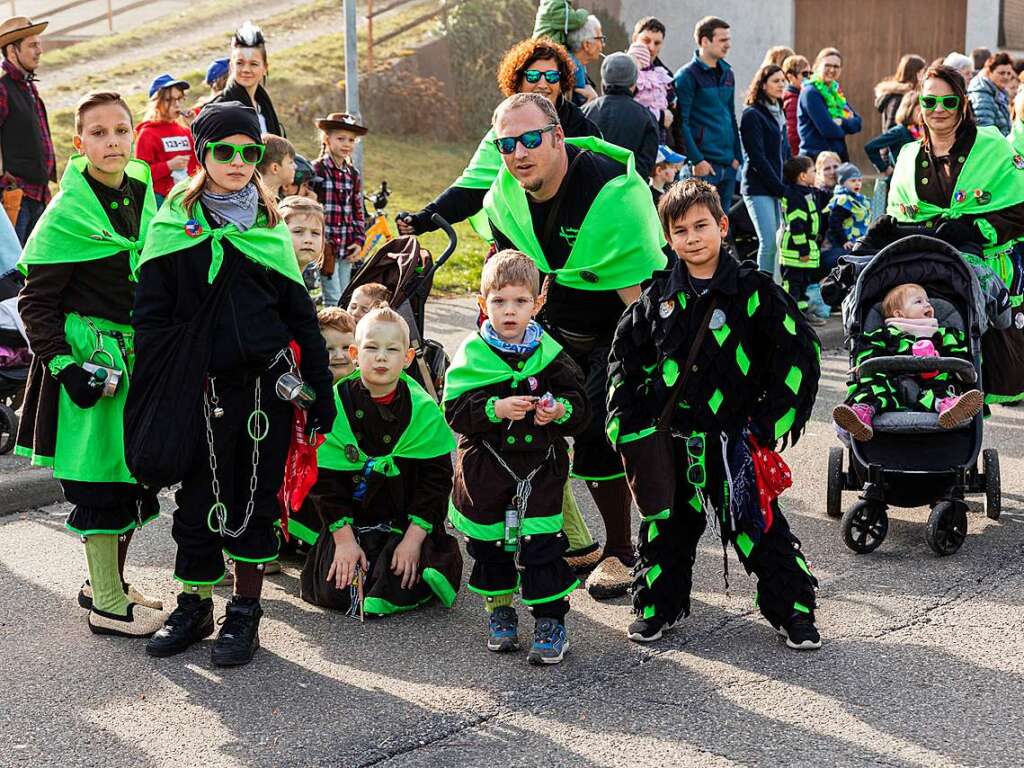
{"type": "Point", "coordinates": [513, 395]}
{"type": "Point", "coordinates": [709, 368]}
{"type": "Point", "coordinates": [385, 475]}
{"type": "Point", "coordinates": [225, 223]}
{"type": "Point", "coordinates": [76, 305]}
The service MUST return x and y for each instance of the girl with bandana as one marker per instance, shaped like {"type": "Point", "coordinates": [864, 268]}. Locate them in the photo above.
{"type": "Point", "coordinates": [224, 219]}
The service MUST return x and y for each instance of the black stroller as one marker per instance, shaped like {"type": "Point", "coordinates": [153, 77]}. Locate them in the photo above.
{"type": "Point", "coordinates": [407, 271]}
{"type": "Point", "coordinates": [911, 461]}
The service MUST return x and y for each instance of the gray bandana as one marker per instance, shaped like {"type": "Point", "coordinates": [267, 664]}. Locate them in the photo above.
{"type": "Point", "coordinates": [238, 208]}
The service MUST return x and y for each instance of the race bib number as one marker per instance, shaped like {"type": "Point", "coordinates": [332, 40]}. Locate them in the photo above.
{"type": "Point", "coordinates": [176, 143]}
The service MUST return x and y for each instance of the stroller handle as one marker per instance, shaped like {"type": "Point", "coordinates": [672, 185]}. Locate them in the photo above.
{"type": "Point", "coordinates": [453, 241]}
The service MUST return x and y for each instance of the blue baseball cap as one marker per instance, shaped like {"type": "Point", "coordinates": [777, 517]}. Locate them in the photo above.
{"type": "Point", "coordinates": [217, 69]}
{"type": "Point", "coordinates": [666, 155]}
{"type": "Point", "coordinates": [166, 81]}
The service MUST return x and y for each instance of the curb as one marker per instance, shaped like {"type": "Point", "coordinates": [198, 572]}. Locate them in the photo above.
{"type": "Point", "coordinates": [28, 488]}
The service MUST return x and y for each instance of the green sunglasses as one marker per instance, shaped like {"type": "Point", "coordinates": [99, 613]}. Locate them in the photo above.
{"type": "Point", "coordinates": [553, 76]}
{"type": "Point", "coordinates": [949, 103]}
{"type": "Point", "coordinates": [530, 140]}
{"type": "Point", "coordinates": [225, 151]}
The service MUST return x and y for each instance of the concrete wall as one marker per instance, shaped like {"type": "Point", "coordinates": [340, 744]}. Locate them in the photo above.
{"type": "Point", "coordinates": [982, 24]}
{"type": "Point", "coordinates": [754, 29]}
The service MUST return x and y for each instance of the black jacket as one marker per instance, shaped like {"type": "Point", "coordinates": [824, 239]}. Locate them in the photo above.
{"type": "Point", "coordinates": [759, 367]}
{"type": "Point", "coordinates": [765, 149]}
{"type": "Point", "coordinates": [263, 105]}
{"type": "Point", "coordinates": [624, 121]}
{"type": "Point", "coordinates": [263, 312]}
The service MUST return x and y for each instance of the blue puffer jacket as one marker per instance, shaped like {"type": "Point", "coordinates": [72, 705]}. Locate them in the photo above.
{"type": "Point", "coordinates": [765, 149]}
{"type": "Point", "coordinates": [706, 111]}
{"type": "Point", "coordinates": [818, 132]}
{"type": "Point", "coordinates": [990, 104]}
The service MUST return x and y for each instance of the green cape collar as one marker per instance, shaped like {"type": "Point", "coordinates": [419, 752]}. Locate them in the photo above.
{"type": "Point", "coordinates": [174, 230]}
{"type": "Point", "coordinates": [426, 437]}
{"type": "Point", "coordinates": [619, 242]}
{"type": "Point", "coordinates": [76, 228]}
{"type": "Point", "coordinates": [477, 365]}
{"type": "Point", "coordinates": [991, 179]}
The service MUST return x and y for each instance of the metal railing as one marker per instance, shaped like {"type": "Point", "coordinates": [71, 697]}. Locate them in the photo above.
{"type": "Point", "coordinates": [108, 14]}
{"type": "Point", "coordinates": [372, 13]}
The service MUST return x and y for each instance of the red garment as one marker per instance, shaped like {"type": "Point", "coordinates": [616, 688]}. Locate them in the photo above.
{"type": "Point", "coordinates": [789, 104]}
{"type": "Point", "coordinates": [386, 399]}
{"type": "Point", "coordinates": [773, 477]}
{"type": "Point", "coordinates": [156, 143]}
{"type": "Point", "coordinates": [300, 468]}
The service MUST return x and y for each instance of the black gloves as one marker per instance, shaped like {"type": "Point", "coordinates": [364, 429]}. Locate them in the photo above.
{"type": "Point", "coordinates": [959, 232]}
{"type": "Point", "coordinates": [82, 387]}
{"type": "Point", "coordinates": [321, 414]}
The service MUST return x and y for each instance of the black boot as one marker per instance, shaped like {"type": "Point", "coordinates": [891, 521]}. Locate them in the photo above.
{"type": "Point", "coordinates": [189, 623]}
{"type": "Point", "coordinates": [240, 633]}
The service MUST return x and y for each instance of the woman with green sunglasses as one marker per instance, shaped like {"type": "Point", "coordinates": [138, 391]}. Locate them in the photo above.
{"type": "Point", "coordinates": [967, 182]}
{"type": "Point", "coordinates": [218, 249]}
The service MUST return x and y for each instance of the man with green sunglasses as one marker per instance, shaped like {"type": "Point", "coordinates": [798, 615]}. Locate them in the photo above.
{"type": "Point", "coordinates": [579, 209]}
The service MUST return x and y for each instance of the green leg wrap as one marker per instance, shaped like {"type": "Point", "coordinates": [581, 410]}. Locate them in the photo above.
{"type": "Point", "coordinates": [107, 593]}
{"type": "Point", "coordinates": [573, 524]}
{"type": "Point", "coordinates": [205, 591]}
{"type": "Point", "coordinates": [497, 601]}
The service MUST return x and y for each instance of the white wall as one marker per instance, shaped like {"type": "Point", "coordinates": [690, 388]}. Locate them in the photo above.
{"type": "Point", "coordinates": [982, 25]}
{"type": "Point", "coordinates": [754, 30]}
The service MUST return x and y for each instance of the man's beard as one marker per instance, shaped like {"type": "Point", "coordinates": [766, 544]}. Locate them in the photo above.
{"type": "Point", "coordinates": [532, 186]}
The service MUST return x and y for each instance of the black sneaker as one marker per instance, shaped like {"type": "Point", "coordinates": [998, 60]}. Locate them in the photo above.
{"type": "Point", "coordinates": [648, 630]}
{"type": "Point", "coordinates": [189, 623]}
{"type": "Point", "coordinates": [239, 635]}
{"type": "Point", "coordinates": [800, 632]}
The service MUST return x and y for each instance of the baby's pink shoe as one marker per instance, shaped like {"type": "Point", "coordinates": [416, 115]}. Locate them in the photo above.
{"type": "Point", "coordinates": [855, 419]}
{"type": "Point", "coordinates": [954, 411]}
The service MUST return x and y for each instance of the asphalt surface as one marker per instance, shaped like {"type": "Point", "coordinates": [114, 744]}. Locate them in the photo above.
{"type": "Point", "coordinates": [922, 661]}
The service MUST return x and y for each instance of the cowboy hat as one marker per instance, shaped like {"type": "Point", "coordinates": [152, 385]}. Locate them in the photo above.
{"type": "Point", "coordinates": [341, 121]}
{"type": "Point", "coordinates": [18, 28]}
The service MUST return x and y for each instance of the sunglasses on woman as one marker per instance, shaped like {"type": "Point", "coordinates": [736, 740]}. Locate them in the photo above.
{"type": "Point", "coordinates": [931, 103]}
{"type": "Point", "coordinates": [225, 151]}
{"type": "Point", "coordinates": [553, 76]}
{"type": "Point", "coordinates": [530, 140]}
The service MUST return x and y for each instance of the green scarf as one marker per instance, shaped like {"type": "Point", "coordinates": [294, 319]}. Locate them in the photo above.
{"type": "Point", "coordinates": [75, 227]}
{"type": "Point", "coordinates": [834, 98]}
{"type": "Point", "coordinates": [991, 179]}
{"type": "Point", "coordinates": [426, 437]}
{"type": "Point", "coordinates": [477, 365]}
{"type": "Point", "coordinates": [619, 242]}
{"type": "Point", "coordinates": [270, 247]}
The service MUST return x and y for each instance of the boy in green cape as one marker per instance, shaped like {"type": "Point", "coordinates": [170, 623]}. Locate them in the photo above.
{"type": "Point", "coordinates": [385, 474]}
{"type": "Point", "coordinates": [514, 395]}
{"type": "Point", "coordinates": [76, 305]}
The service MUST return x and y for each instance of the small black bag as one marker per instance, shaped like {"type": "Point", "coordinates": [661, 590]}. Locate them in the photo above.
{"type": "Point", "coordinates": [163, 415]}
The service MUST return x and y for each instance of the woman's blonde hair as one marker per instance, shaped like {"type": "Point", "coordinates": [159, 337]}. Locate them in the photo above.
{"type": "Point", "coordinates": [194, 191]}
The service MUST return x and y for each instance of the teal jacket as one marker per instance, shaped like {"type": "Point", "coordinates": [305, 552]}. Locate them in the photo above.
{"type": "Point", "coordinates": [707, 112]}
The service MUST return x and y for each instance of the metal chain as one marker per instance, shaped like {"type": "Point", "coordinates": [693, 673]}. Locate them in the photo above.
{"type": "Point", "coordinates": [524, 487]}
{"type": "Point", "coordinates": [217, 518]}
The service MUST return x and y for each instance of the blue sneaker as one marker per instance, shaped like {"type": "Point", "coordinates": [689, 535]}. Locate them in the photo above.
{"type": "Point", "coordinates": [504, 629]}
{"type": "Point", "coordinates": [549, 642]}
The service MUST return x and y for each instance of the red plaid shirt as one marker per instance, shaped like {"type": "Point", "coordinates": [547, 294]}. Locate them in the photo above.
{"type": "Point", "coordinates": [40, 192]}
{"type": "Point", "coordinates": [341, 194]}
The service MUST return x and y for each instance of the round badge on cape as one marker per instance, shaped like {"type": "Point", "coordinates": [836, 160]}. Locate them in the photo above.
{"type": "Point", "coordinates": [351, 453]}
{"type": "Point", "coordinates": [1018, 320]}
{"type": "Point", "coordinates": [1018, 161]}
{"type": "Point", "coordinates": [982, 196]}
{"type": "Point", "coordinates": [960, 196]}
{"type": "Point", "coordinates": [717, 320]}
{"type": "Point", "coordinates": [533, 383]}
{"type": "Point", "coordinates": [589, 276]}
{"type": "Point", "coordinates": [193, 228]}
{"type": "Point", "coordinates": [666, 308]}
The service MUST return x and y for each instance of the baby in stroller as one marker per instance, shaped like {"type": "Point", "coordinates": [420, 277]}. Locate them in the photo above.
{"type": "Point", "coordinates": [910, 328]}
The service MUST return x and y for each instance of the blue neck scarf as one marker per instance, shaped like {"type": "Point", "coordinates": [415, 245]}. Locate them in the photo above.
{"type": "Point", "coordinates": [531, 339]}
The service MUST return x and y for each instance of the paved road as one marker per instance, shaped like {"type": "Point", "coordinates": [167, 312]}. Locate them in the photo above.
{"type": "Point", "coordinates": [922, 663]}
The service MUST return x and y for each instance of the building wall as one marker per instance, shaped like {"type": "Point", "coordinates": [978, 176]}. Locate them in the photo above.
{"type": "Point", "coordinates": [982, 24]}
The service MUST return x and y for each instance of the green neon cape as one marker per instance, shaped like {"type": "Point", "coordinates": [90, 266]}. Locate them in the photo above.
{"type": "Point", "coordinates": [270, 247]}
{"type": "Point", "coordinates": [75, 227]}
{"type": "Point", "coordinates": [991, 167]}
{"type": "Point", "coordinates": [1016, 137]}
{"type": "Point", "coordinates": [619, 242]}
{"type": "Point", "coordinates": [477, 365]}
{"type": "Point", "coordinates": [481, 172]}
{"type": "Point", "coordinates": [426, 437]}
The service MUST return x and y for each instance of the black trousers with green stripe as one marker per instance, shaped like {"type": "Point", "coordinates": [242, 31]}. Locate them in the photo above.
{"type": "Point", "coordinates": [545, 580]}
{"type": "Point", "coordinates": [667, 550]}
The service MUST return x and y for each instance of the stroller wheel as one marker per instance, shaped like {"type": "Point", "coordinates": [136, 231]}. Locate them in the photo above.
{"type": "Point", "coordinates": [8, 428]}
{"type": "Point", "coordinates": [947, 527]}
{"type": "Point", "coordinates": [864, 526]}
{"type": "Point", "coordinates": [834, 497]}
{"type": "Point", "coordinates": [993, 486]}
